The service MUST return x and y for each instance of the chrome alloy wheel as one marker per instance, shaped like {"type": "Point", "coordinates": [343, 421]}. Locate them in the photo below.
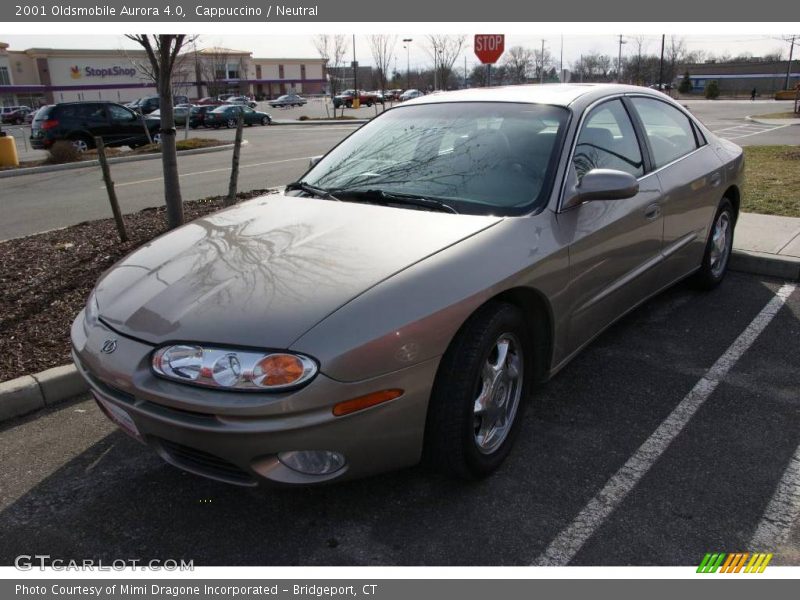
{"type": "Point", "coordinates": [720, 244]}
{"type": "Point", "coordinates": [500, 391]}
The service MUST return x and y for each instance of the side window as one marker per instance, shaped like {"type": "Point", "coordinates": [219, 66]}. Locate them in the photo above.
{"type": "Point", "coordinates": [669, 131]}
{"type": "Point", "coordinates": [120, 114]}
{"type": "Point", "coordinates": [94, 113]}
{"type": "Point", "coordinates": [608, 141]}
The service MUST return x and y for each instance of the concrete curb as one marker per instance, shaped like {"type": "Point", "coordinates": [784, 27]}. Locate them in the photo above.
{"type": "Point", "coordinates": [28, 393]}
{"type": "Point", "coordinates": [85, 164]}
{"type": "Point", "coordinates": [762, 263]}
{"type": "Point", "coordinates": [791, 122]}
{"type": "Point", "coordinates": [322, 123]}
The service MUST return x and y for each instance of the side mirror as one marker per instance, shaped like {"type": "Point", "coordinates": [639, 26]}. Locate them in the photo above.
{"type": "Point", "coordinates": [314, 160]}
{"type": "Point", "coordinates": [603, 184]}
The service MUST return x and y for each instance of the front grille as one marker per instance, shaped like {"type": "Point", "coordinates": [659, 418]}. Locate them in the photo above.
{"type": "Point", "coordinates": [206, 464]}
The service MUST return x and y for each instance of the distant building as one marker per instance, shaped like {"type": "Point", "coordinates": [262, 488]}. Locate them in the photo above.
{"type": "Point", "coordinates": [46, 75]}
{"type": "Point", "coordinates": [739, 78]}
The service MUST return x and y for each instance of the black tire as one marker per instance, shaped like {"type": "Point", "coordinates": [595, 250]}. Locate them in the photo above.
{"type": "Point", "coordinates": [713, 268]}
{"type": "Point", "coordinates": [348, 104]}
{"type": "Point", "coordinates": [452, 428]}
{"type": "Point", "coordinates": [265, 121]}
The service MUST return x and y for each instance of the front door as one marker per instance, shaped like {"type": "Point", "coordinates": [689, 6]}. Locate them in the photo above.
{"type": "Point", "coordinates": [614, 245]}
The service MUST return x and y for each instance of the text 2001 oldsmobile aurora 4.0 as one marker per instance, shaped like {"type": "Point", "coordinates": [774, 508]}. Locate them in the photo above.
{"type": "Point", "coordinates": [404, 297]}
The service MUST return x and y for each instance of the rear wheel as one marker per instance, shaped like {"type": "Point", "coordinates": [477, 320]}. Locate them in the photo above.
{"type": "Point", "coordinates": [230, 123]}
{"type": "Point", "coordinates": [718, 248]}
{"type": "Point", "coordinates": [479, 394]}
{"type": "Point", "coordinates": [265, 120]}
{"type": "Point", "coordinates": [82, 143]}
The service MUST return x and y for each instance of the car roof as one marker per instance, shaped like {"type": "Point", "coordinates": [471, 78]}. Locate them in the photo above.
{"type": "Point", "coordinates": [558, 94]}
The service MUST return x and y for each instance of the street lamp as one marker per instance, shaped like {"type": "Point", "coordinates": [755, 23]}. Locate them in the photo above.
{"type": "Point", "coordinates": [619, 59]}
{"type": "Point", "coordinates": [407, 42]}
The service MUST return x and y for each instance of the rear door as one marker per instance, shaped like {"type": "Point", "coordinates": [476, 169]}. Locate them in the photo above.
{"type": "Point", "coordinates": [690, 174]}
{"type": "Point", "coordinates": [614, 245]}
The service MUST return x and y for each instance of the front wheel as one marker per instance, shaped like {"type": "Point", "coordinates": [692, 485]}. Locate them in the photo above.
{"type": "Point", "coordinates": [230, 123]}
{"type": "Point", "coordinates": [718, 248]}
{"type": "Point", "coordinates": [479, 393]}
{"type": "Point", "coordinates": [265, 120]}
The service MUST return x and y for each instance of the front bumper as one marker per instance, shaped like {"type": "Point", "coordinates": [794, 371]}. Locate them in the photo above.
{"type": "Point", "coordinates": [235, 436]}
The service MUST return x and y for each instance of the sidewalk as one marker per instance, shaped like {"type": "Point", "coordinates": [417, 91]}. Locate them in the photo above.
{"type": "Point", "coordinates": [768, 245]}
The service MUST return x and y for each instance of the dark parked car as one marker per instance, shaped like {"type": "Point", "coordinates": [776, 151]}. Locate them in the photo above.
{"type": "Point", "coordinates": [148, 104]}
{"type": "Point", "coordinates": [227, 114]}
{"type": "Point", "coordinates": [15, 114]}
{"type": "Point", "coordinates": [288, 100]}
{"type": "Point", "coordinates": [81, 122]}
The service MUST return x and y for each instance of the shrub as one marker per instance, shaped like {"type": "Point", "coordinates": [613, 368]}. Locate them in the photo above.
{"type": "Point", "coordinates": [303, 118]}
{"type": "Point", "coordinates": [62, 152]}
{"type": "Point", "coordinates": [685, 86]}
{"type": "Point", "coordinates": [712, 90]}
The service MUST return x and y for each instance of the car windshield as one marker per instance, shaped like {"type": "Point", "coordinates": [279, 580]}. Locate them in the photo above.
{"type": "Point", "coordinates": [479, 157]}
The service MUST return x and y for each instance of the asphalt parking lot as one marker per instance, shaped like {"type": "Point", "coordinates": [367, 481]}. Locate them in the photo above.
{"type": "Point", "coordinates": [74, 487]}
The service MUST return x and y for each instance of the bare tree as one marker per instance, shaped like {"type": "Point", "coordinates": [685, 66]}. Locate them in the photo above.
{"type": "Point", "coordinates": [162, 51]}
{"type": "Point", "coordinates": [211, 66]}
{"type": "Point", "coordinates": [332, 48]}
{"type": "Point", "coordinates": [382, 48]}
{"type": "Point", "coordinates": [445, 50]}
{"type": "Point", "coordinates": [674, 55]}
{"type": "Point", "coordinates": [519, 62]}
{"type": "Point", "coordinates": [542, 61]}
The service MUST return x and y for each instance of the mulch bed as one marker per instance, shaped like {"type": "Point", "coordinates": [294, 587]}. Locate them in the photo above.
{"type": "Point", "coordinates": [46, 278]}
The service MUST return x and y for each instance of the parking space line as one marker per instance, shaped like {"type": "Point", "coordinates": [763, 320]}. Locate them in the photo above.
{"type": "Point", "coordinates": [782, 511]}
{"type": "Point", "coordinates": [249, 166]}
{"type": "Point", "coordinates": [746, 130]}
{"type": "Point", "coordinates": [571, 539]}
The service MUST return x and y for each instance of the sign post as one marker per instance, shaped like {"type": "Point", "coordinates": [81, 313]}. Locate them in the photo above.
{"type": "Point", "coordinates": [489, 48]}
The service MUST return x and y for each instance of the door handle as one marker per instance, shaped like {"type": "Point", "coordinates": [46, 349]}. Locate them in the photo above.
{"type": "Point", "coordinates": [652, 212]}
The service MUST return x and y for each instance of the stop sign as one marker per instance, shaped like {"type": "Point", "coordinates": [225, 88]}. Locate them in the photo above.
{"type": "Point", "coordinates": [489, 47]}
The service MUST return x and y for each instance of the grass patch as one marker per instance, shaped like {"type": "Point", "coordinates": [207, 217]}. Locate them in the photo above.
{"type": "Point", "coordinates": [778, 115]}
{"type": "Point", "coordinates": [772, 180]}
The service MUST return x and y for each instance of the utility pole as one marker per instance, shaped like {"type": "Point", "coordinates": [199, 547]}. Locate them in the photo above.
{"type": "Point", "coordinates": [789, 66]}
{"type": "Point", "coordinates": [661, 63]}
{"type": "Point", "coordinates": [619, 59]}
{"type": "Point", "coordinates": [407, 42]}
{"type": "Point", "coordinates": [465, 70]}
{"type": "Point", "coordinates": [541, 69]}
{"type": "Point", "coordinates": [355, 68]}
{"type": "Point", "coordinates": [581, 63]}
{"type": "Point", "coordinates": [561, 62]}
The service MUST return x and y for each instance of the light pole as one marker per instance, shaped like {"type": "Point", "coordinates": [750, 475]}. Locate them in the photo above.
{"type": "Point", "coordinates": [541, 70]}
{"type": "Point", "coordinates": [619, 59]}
{"type": "Point", "coordinates": [407, 42]}
{"type": "Point", "coordinates": [789, 65]}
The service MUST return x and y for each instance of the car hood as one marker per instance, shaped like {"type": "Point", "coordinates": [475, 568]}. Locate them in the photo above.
{"type": "Point", "coordinates": [263, 273]}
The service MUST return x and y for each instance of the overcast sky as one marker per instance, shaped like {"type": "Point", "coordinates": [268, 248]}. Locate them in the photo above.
{"type": "Point", "coordinates": [301, 46]}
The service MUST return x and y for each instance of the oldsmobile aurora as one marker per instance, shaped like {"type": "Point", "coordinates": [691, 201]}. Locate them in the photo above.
{"type": "Point", "coordinates": [402, 300]}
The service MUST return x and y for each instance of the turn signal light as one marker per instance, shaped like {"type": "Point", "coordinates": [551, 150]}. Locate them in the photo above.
{"type": "Point", "coordinates": [362, 402]}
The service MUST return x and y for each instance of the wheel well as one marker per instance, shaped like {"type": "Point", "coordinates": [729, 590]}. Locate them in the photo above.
{"type": "Point", "coordinates": [732, 194]}
{"type": "Point", "coordinates": [539, 317]}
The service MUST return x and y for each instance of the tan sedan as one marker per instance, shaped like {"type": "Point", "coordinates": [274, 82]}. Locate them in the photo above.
{"type": "Point", "coordinates": [402, 300]}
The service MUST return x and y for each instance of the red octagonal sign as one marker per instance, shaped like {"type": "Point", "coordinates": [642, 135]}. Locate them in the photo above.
{"type": "Point", "coordinates": [489, 47]}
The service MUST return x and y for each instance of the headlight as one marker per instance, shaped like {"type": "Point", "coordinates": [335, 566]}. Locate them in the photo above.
{"type": "Point", "coordinates": [92, 313]}
{"type": "Point", "coordinates": [233, 369]}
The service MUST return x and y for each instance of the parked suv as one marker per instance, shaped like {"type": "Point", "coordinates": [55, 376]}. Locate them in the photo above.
{"type": "Point", "coordinates": [81, 122]}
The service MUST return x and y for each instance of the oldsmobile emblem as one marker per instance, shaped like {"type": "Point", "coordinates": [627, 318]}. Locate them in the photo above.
{"type": "Point", "coordinates": [109, 346]}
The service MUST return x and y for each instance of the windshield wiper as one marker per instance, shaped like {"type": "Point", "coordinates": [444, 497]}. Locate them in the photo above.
{"type": "Point", "coordinates": [311, 190]}
{"type": "Point", "coordinates": [384, 197]}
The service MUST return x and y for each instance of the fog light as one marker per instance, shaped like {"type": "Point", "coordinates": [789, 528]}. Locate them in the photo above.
{"type": "Point", "coordinates": [312, 462]}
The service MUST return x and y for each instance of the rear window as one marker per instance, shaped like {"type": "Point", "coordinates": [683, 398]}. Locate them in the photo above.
{"type": "Point", "coordinates": [43, 113]}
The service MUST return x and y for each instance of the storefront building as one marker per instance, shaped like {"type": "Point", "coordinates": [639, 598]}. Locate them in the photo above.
{"type": "Point", "coordinates": [39, 76]}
